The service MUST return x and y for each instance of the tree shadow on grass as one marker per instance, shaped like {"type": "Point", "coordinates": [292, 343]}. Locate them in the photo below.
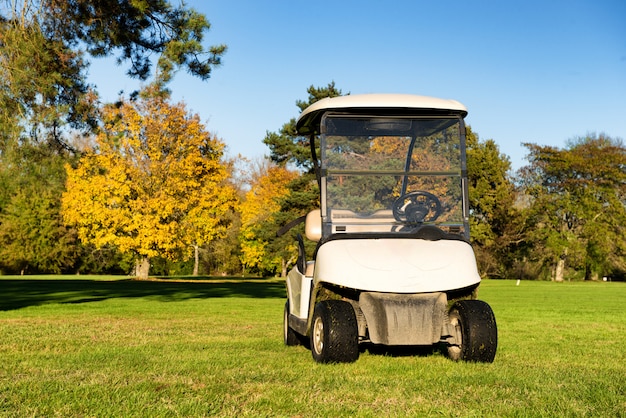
{"type": "Point", "coordinates": [16, 294]}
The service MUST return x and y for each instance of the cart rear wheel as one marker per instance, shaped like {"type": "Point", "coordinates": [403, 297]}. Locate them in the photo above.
{"type": "Point", "coordinates": [290, 336]}
{"type": "Point", "coordinates": [334, 333]}
{"type": "Point", "coordinates": [476, 331]}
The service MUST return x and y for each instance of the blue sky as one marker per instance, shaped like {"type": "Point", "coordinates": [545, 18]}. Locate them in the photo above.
{"type": "Point", "coordinates": [528, 71]}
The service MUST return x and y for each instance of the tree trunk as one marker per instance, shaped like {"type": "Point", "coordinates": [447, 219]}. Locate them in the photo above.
{"type": "Point", "coordinates": [560, 269]}
{"type": "Point", "coordinates": [142, 268]}
{"type": "Point", "coordinates": [196, 259]}
{"type": "Point", "coordinates": [283, 272]}
{"type": "Point", "coordinates": [590, 274]}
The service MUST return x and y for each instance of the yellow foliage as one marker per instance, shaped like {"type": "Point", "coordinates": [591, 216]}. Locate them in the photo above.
{"type": "Point", "coordinates": [260, 203]}
{"type": "Point", "coordinates": [155, 185]}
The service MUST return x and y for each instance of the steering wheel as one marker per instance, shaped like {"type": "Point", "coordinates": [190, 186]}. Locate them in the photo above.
{"type": "Point", "coordinates": [417, 207]}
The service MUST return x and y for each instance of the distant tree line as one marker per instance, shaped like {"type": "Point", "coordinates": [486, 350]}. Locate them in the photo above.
{"type": "Point", "coordinates": [142, 187]}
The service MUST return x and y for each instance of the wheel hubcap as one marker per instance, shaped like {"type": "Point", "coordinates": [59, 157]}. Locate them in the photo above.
{"type": "Point", "coordinates": [285, 325]}
{"type": "Point", "coordinates": [454, 351]}
{"type": "Point", "coordinates": [318, 335]}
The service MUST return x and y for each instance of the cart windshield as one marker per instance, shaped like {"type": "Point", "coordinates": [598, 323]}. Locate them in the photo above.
{"type": "Point", "coordinates": [392, 174]}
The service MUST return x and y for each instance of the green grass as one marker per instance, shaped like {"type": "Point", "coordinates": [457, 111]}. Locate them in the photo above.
{"type": "Point", "coordinates": [90, 346]}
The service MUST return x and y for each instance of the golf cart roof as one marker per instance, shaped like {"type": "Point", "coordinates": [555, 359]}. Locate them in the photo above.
{"type": "Point", "coordinates": [378, 105]}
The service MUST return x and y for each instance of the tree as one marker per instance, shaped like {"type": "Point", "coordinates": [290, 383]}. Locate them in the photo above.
{"type": "Point", "coordinates": [154, 186]}
{"type": "Point", "coordinates": [577, 205]}
{"type": "Point", "coordinates": [223, 256]}
{"type": "Point", "coordinates": [286, 146]}
{"type": "Point", "coordinates": [136, 28]}
{"type": "Point", "coordinates": [45, 98]}
{"type": "Point", "coordinates": [43, 67]}
{"type": "Point", "coordinates": [495, 221]}
{"type": "Point", "coordinates": [33, 237]}
{"type": "Point", "coordinates": [302, 198]}
{"type": "Point", "coordinates": [42, 88]}
{"type": "Point", "coordinates": [258, 227]}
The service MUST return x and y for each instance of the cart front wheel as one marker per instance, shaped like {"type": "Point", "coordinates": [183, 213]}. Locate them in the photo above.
{"type": "Point", "coordinates": [476, 331]}
{"type": "Point", "coordinates": [334, 334]}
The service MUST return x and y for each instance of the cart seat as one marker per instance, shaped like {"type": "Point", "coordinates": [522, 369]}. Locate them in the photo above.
{"type": "Point", "coordinates": [310, 268]}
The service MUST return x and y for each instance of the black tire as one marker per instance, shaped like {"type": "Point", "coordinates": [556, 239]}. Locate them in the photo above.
{"type": "Point", "coordinates": [476, 328]}
{"type": "Point", "coordinates": [334, 333]}
{"type": "Point", "coordinates": [290, 337]}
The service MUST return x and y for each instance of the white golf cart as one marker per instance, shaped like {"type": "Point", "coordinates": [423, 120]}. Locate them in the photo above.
{"type": "Point", "coordinates": [393, 265]}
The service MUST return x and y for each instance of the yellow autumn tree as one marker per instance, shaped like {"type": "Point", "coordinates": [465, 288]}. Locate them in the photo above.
{"type": "Point", "coordinates": [153, 185]}
{"type": "Point", "coordinates": [260, 204]}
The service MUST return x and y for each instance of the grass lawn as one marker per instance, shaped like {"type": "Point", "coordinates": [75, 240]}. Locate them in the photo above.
{"type": "Point", "coordinates": [102, 346]}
